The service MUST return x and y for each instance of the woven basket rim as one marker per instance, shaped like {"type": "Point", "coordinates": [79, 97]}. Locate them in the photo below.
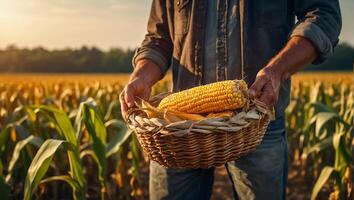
{"type": "Point", "coordinates": [138, 120]}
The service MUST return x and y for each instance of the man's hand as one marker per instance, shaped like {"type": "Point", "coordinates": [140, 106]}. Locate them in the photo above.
{"type": "Point", "coordinates": [135, 88]}
{"type": "Point", "coordinates": [266, 87]}
{"type": "Point", "coordinates": [145, 75]}
{"type": "Point", "coordinates": [296, 54]}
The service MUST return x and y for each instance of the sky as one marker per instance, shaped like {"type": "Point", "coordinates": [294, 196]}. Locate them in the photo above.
{"type": "Point", "coordinates": [102, 23]}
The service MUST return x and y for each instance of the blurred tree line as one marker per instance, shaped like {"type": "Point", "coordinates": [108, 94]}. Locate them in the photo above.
{"type": "Point", "coordinates": [93, 60]}
{"type": "Point", "coordinates": [85, 59]}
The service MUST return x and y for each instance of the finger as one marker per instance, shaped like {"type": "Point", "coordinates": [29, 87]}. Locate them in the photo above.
{"type": "Point", "coordinates": [123, 105]}
{"type": "Point", "coordinates": [129, 96]}
{"type": "Point", "coordinates": [256, 88]}
{"type": "Point", "coordinates": [268, 96]}
{"type": "Point", "coordinates": [267, 100]}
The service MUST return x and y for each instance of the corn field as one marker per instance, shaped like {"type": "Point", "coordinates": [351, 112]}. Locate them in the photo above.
{"type": "Point", "coordinates": [65, 139]}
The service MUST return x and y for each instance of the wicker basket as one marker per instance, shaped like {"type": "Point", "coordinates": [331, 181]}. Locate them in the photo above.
{"type": "Point", "coordinates": [199, 144]}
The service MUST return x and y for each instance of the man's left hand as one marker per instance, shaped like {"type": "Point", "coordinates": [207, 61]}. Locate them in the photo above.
{"type": "Point", "coordinates": [266, 86]}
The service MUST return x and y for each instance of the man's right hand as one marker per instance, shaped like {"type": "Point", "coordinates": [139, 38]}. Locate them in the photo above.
{"type": "Point", "coordinates": [145, 75]}
{"type": "Point", "coordinates": [135, 88]}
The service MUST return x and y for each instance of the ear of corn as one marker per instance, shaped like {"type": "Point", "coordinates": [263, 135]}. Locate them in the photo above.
{"type": "Point", "coordinates": [214, 97]}
{"type": "Point", "coordinates": [171, 116]}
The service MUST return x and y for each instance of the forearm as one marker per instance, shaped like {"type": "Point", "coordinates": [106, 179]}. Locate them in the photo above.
{"type": "Point", "coordinates": [311, 41]}
{"type": "Point", "coordinates": [148, 71]}
{"type": "Point", "coordinates": [297, 53]}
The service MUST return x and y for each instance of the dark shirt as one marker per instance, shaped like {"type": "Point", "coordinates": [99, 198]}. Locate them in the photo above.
{"type": "Point", "coordinates": [178, 38]}
{"type": "Point", "coordinates": [213, 33]}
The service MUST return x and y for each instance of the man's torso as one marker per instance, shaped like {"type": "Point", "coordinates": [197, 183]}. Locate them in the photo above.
{"type": "Point", "coordinates": [248, 35]}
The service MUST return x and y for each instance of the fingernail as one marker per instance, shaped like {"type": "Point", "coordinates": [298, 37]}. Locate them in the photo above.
{"type": "Point", "coordinates": [130, 104]}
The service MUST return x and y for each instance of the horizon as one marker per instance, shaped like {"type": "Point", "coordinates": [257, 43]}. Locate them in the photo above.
{"type": "Point", "coordinates": [125, 49]}
{"type": "Point", "coordinates": [105, 25]}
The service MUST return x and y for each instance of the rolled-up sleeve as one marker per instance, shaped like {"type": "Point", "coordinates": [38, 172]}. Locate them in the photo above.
{"type": "Point", "coordinates": [157, 45]}
{"type": "Point", "coordinates": [320, 22]}
{"type": "Point", "coordinates": [153, 55]}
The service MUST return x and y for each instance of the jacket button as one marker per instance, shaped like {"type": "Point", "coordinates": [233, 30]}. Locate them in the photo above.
{"type": "Point", "coordinates": [178, 2]}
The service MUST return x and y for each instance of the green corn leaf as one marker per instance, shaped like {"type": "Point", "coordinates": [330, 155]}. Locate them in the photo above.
{"type": "Point", "coordinates": [95, 127]}
{"type": "Point", "coordinates": [322, 118]}
{"type": "Point", "coordinates": [119, 138]}
{"type": "Point", "coordinates": [328, 100]}
{"type": "Point", "coordinates": [78, 121]}
{"type": "Point", "coordinates": [63, 123]}
{"type": "Point", "coordinates": [40, 165]}
{"type": "Point", "coordinates": [88, 152]}
{"type": "Point", "coordinates": [31, 114]}
{"type": "Point", "coordinates": [72, 182]}
{"type": "Point", "coordinates": [318, 147]}
{"type": "Point", "coordinates": [291, 107]}
{"type": "Point", "coordinates": [72, 114]}
{"type": "Point", "coordinates": [342, 154]}
{"type": "Point", "coordinates": [110, 110]}
{"type": "Point", "coordinates": [95, 124]}
{"type": "Point", "coordinates": [322, 179]}
{"type": "Point", "coordinates": [36, 141]}
{"type": "Point", "coordinates": [66, 131]}
{"type": "Point", "coordinates": [319, 107]}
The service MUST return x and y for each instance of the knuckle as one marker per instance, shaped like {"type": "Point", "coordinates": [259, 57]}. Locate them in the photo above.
{"type": "Point", "coordinates": [262, 74]}
{"type": "Point", "coordinates": [259, 78]}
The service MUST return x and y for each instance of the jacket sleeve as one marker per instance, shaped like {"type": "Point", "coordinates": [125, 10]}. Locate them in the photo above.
{"type": "Point", "coordinates": [320, 22]}
{"type": "Point", "coordinates": [157, 45]}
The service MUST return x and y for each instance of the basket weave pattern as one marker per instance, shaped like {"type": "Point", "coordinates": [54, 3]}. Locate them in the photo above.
{"type": "Point", "coordinates": [199, 144]}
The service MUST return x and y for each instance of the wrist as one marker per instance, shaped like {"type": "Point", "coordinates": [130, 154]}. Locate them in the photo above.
{"type": "Point", "coordinates": [278, 69]}
{"type": "Point", "coordinates": [276, 72]}
{"type": "Point", "coordinates": [147, 71]}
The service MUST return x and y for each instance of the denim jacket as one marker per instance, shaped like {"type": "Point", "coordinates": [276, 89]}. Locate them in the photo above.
{"type": "Point", "coordinates": [176, 28]}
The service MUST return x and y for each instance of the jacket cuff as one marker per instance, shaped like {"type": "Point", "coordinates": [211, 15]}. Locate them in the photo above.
{"type": "Point", "coordinates": [318, 38]}
{"type": "Point", "coordinates": [154, 56]}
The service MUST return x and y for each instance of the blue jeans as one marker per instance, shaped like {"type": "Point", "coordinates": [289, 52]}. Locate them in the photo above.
{"type": "Point", "coordinates": [262, 174]}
